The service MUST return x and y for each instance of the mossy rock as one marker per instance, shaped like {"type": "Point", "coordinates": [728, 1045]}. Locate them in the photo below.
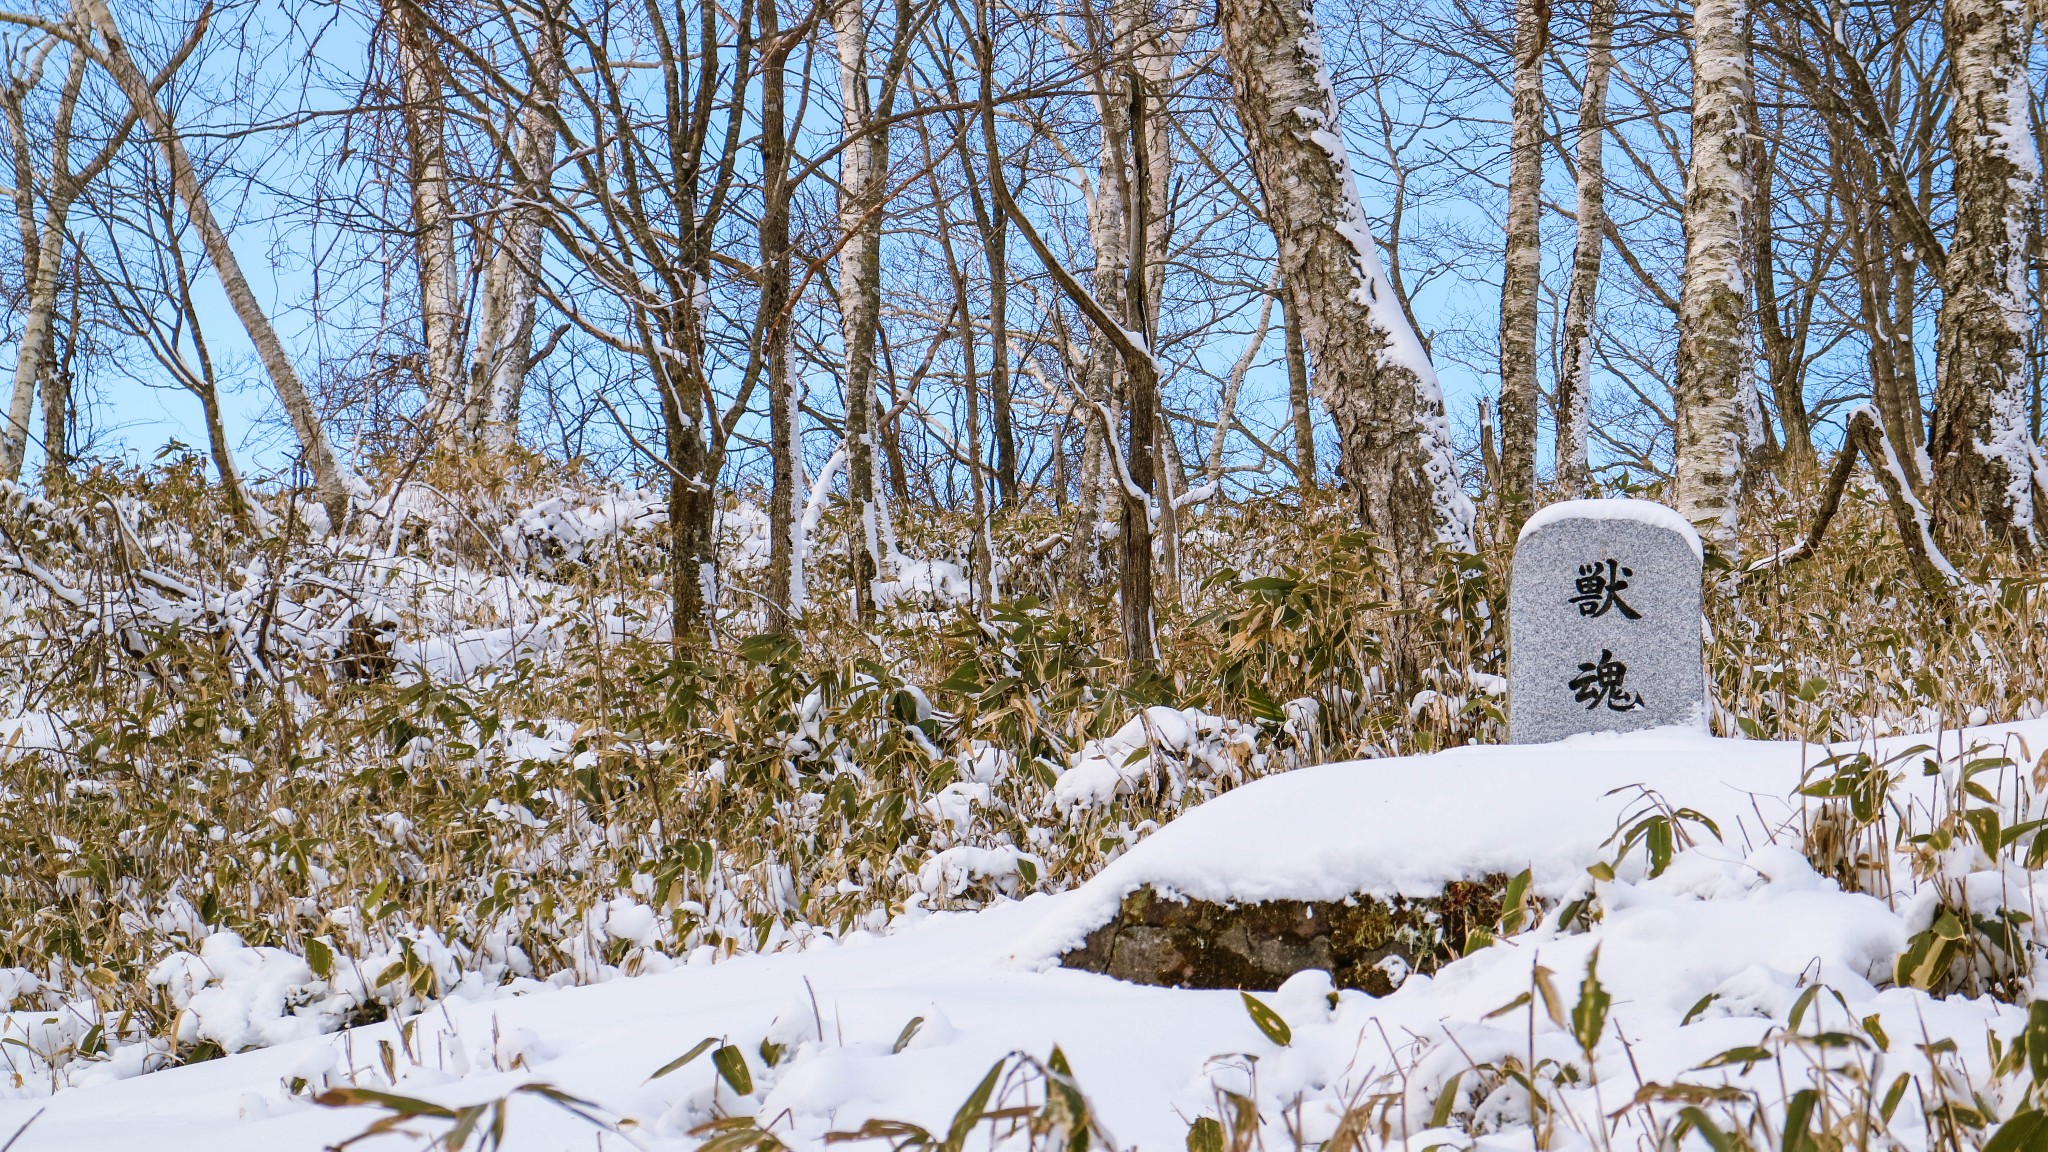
{"type": "Point", "coordinates": [1176, 943]}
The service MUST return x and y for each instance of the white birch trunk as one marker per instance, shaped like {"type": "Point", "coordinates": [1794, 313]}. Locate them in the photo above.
{"type": "Point", "coordinates": [1369, 365]}
{"type": "Point", "coordinates": [863, 169]}
{"type": "Point", "coordinates": [1713, 348]}
{"type": "Point", "coordinates": [1982, 444]}
{"type": "Point", "coordinates": [433, 218]}
{"type": "Point", "coordinates": [504, 338]}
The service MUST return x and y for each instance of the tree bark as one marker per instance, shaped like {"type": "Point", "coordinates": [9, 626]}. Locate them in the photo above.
{"type": "Point", "coordinates": [1713, 352]}
{"type": "Point", "coordinates": [1784, 349]}
{"type": "Point", "coordinates": [1582, 297]}
{"type": "Point", "coordinates": [1522, 277]}
{"type": "Point", "coordinates": [433, 217]}
{"type": "Point", "coordinates": [1369, 365]}
{"type": "Point", "coordinates": [1982, 450]}
{"type": "Point", "coordinates": [1298, 395]}
{"type": "Point", "coordinates": [503, 354]}
{"type": "Point", "coordinates": [1141, 403]}
{"type": "Point", "coordinates": [863, 170]}
{"type": "Point", "coordinates": [785, 565]}
{"type": "Point", "coordinates": [331, 482]}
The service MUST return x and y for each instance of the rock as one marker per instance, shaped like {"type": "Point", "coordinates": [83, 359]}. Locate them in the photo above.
{"type": "Point", "coordinates": [1157, 939]}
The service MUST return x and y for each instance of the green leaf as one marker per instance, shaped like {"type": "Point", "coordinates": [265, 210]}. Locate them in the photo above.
{"type": "Point", "coordinates": [1698, 1007]}
{"type": "Point", "coordinates": [1875, 1029]}
{"type": "Point", "coordinates": [1205, 1135]}
{"type": "Point", "coordinates": [1896, 1093]}
{"type": "Point", "coordinates": [1268, 1020]}
{"type": "Point", "coordinates": [972, 1109]}
{"type": "Point", "coordinates": [1699, 1122]}
{"type": "Point", "coordinates": [406, 1106]}
{"type": "Point", "coordinates": [1589, 1015]}
{"type": "Point", "coordinates": [1446, 1100]}
{"type": "Point", "coordinates": [1514, 904]}
{"type": "Point", "coordinates": [2036, 1040]}
{"type": "Point", "coordinates": [1746, 1055]}
{"type": "Point", "coordinates": [320, 958]}
{"type": "Point", "coordinates": [2027, 1131]}
{"type": "Point", "coordinates": [1800, 1006]}
{"type": "Point", "coordinates": [732, 1068]}
{"type": "Point", "coordinates": [909, 1032]}
{"type": "Point", "coordinates": [1799, 1120]}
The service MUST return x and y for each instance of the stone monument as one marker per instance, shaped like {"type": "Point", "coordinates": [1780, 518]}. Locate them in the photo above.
{"type": "Point", "coordinates": [1604, 621]}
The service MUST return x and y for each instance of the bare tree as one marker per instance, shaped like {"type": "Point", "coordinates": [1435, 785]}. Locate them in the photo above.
{"type": "Point", "coordinates": [1369, 366]}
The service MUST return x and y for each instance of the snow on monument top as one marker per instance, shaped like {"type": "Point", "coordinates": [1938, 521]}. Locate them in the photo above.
{"type": "Point", "coordinates": [1640, 511]}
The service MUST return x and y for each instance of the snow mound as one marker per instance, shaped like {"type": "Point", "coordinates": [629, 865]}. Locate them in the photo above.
{"type": "Point", "coordinates": [1739, 969]}
{"type": "Point", "coordinates": [1407, 826]}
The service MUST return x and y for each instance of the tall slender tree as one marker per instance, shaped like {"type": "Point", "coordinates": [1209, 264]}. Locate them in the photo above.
{"type": "Point", "coordinates": [1713, 345]}
{"type": "Point", "coordinates": [1522, 276]}
{"type": "Point", "coordinates": [1582, 298]}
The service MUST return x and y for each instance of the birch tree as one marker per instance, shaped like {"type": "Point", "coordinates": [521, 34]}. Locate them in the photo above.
{"type": "Point", "coordinates": [1983, 449]}
{"type": "Point", "coordinates": [433, 213]}
{"type": "Point", "coordinates": [1522, 274]}
{"type": "Point", "coordinates": [1713, 347]}
{"type": "Point", "coordinates": [1368, 364]}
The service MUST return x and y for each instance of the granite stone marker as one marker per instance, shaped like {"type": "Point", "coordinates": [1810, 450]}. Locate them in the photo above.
{"type": "Point", "coordinates": [1604, 621]}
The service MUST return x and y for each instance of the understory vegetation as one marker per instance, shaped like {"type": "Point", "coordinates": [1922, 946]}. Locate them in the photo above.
{"type": "Point", "coordinates": [451, 750]}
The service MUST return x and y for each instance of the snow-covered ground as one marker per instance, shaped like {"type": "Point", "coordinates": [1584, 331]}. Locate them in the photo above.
{"type": "Point", "coordinates": [1715, 955]}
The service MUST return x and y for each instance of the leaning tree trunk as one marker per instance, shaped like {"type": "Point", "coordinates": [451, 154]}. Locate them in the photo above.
{"type": "Point", "coordinates": [1522, 279]}
{"type": "Point", "coordinates": [1713, 348]}
{"type": "Point", "coordinates": [331, 484]}
{"type": "Point", "coordinates": [1982, 447]}
{"type": "Point", "coordinates": [1581, 308]}
{"type": "Point", "coordinates": [1369, 365]}
{"type": "Point", "coordinates": [433, 215]}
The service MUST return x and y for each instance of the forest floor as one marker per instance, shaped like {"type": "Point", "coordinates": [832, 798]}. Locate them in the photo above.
{"type": "Point", "coordinates": [1681, 965]}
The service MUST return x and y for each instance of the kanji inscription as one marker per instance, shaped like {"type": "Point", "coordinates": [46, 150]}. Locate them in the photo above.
{"type": "Point", "coordinates": [1604, 621]}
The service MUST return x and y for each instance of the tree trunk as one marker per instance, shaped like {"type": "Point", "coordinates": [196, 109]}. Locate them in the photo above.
{"type": "Point", "coordinates": [1582, 298]}
{"type": "Point", "coordinates": [863, 169]}
{"type": "Point", "coordinates": [503, 353]}
{"type": "Point", "coordinates": [32, 353]}
{"type": "Point", "coordinates": [331, 483]}
{"type": "Point", "coordinates": [56, 379]}
{"type": "Point", "coordinates": [999, 347]}
{"type": "Point", "coordinates": [1522, 277]}
{"type": "Point", "coordinates": [785, 564]}
{"type": "Point", "coordinates": [1297, 395]}
{"type": "Point", "coordinates": [1784, 350]}
{"type": "Point", "coordinates": [1983, 454]}
{"type": "Point", "coordinates": [1141, 403]}
{"type": "Point", "coordinates": [1713, 352]}
{"type": "Point", "coordinates": [433, 217]}
{"type": "Point", "coordinates": [1370, 368]}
